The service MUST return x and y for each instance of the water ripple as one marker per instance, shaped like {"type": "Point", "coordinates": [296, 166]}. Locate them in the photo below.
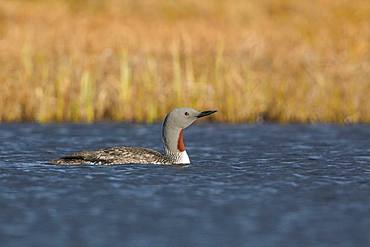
{"type": "Point", "coordinates": [268, 185]}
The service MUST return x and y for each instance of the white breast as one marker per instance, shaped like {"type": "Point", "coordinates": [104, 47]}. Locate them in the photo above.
{"type": "Point", "coordinates": [183, 158]}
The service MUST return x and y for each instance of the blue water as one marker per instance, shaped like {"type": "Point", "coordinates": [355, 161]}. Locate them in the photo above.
{"type": "Point", "coordinates": [248, 185]}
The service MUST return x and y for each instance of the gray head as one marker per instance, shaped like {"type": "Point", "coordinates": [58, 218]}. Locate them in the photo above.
{"type": "Point", "coordinates": [183, 117]}
{"type": "Point", "coordinates": [174, 124]}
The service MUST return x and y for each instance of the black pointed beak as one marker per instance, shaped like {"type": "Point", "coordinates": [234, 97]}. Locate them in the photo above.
{"type": "Point", "coordinates": [205, 113]}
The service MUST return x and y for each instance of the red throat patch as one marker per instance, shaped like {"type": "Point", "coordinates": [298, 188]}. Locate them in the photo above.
{"type": "Point", "coordinates": [180, 141]}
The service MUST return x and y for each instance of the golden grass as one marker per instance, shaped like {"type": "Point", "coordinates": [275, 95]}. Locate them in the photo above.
{"type": "Point", "coordinates": [286, 61]}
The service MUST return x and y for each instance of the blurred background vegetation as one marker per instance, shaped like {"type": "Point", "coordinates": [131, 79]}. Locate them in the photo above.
{"type": "Point", "coordinates": [127, 60]}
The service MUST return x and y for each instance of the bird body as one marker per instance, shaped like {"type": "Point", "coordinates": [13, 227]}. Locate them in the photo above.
{"type": "Point", "coordinates": [115, 155]}
{"type": "Point", "coordinates": [173, 141]}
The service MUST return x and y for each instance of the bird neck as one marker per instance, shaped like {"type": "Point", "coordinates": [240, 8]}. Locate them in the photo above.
{"type": "Point", "coordinates": [173, 139]}
{"type": "Point", "coordinates": [173, 143]}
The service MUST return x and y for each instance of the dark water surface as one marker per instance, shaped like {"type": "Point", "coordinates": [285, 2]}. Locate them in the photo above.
{"type": "Point", "coordinates": [248, 185]}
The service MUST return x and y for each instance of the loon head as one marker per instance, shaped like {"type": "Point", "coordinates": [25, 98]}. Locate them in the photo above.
{"type": "Point", "coordinates": [184, 117]}
{"type": "Point", "coordinates": [172, 132]}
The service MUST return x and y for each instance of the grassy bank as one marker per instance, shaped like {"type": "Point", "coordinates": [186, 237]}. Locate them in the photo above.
{"type": "Point", "coordinates": [286, 61]}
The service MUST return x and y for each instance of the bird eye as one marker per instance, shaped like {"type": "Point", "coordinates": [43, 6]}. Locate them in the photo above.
{"type": "Point", "coordinates": [186, 113]}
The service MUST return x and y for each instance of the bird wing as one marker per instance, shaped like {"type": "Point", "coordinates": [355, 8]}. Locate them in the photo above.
{"type": "Point", "coordinates": [116, 155]}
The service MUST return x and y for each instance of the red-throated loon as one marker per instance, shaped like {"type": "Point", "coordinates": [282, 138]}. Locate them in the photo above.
{"type": "Point", "coordinates": [173, 141]}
